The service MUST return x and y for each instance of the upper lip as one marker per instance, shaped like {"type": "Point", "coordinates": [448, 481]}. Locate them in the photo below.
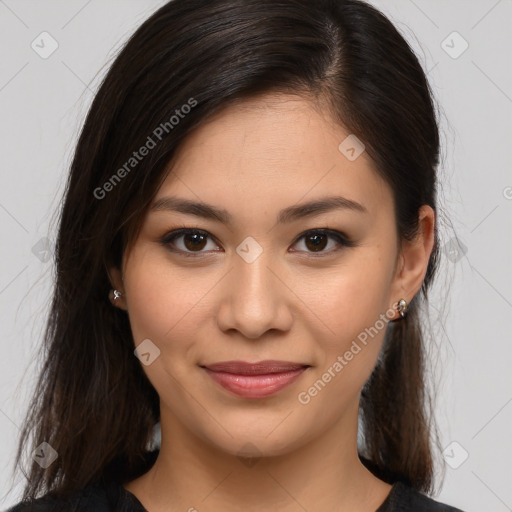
{"type": "Point", "coordinates": [259, 368]}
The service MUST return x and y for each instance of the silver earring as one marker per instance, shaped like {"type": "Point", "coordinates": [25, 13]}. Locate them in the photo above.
{"type": "Point", "coordinates": [117, 294]}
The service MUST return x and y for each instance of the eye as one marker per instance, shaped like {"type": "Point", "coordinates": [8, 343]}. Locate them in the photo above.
{"type": "Point", "coordinates": [192, 241]}
{"type": "Point", "coordinates": [316, 240]}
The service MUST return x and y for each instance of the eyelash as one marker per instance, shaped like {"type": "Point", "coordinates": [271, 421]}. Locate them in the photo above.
{"type": "Point", "coordinates": [340, 238]}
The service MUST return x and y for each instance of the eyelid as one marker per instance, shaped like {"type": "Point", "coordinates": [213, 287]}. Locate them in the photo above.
{"type": "Point", "coordinates": [341, 238]}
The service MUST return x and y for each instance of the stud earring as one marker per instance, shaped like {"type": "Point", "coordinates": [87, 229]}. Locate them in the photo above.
{"type": "Point", "coordinates": [114, 295]}
{"type": "Point", "coordinates": [402, 308]}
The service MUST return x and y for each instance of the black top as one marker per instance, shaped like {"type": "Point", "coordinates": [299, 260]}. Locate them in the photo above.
{"type": "Point", "coordinates": [113, 497]}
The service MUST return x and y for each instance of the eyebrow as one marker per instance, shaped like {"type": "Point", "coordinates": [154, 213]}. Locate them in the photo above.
{"type": "Point", "coordinates": [287, 215]}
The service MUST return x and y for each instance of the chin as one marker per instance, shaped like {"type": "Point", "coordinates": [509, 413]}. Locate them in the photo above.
{"type": "Point", "coordinates": [257, 442]}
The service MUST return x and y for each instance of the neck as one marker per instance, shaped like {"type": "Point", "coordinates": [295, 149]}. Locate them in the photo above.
{"type": "Point", "coordinates": [322, 474]}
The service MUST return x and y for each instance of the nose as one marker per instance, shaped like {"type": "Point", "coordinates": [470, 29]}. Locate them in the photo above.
{"type": "Point", "coordinates": [255, 298]}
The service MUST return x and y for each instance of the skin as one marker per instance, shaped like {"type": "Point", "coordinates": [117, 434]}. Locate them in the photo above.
{"type": "Point", "coordinates": [254, 159]}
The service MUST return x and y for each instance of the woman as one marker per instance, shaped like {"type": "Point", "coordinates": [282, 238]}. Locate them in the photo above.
{"type": "Point", "coordinates": [247, 238]}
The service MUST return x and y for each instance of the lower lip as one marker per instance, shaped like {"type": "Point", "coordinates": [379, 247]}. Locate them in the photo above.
{"type": "Point", "coordinates": [255, 386]}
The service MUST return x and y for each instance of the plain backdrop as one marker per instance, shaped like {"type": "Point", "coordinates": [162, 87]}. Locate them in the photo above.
{"type": "Point", "coordinates": [465, 48]}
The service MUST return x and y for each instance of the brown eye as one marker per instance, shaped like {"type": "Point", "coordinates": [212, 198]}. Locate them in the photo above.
{"type": "Point", "coordinates": [192, 242]}
{"type": "Point", "coordinates": [187, 241]}
{"type": "Point", "coordinates": [195, 241]}
{"type": "Point", "coordinates": [315, 241]}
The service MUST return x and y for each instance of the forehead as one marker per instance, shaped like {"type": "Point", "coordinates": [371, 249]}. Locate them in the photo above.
{"type": "Point", "coordinates": [273, 149]}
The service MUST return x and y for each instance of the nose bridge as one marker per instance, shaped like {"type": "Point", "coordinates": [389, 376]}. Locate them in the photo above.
{"type": "Point", "coordinates": [254, 300]}
{"type": "Point", "coordinates": [253, 278]}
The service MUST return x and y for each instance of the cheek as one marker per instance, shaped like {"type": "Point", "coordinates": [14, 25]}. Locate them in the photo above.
{"type": "Point", "coordinates": [152, 295]}
{"type": "Point", "coordinates": [352, 297]}
{"type": "Point", "coordinates": [354, 308]}
{"type": "Point", "coordinates": [167, 305]}
{"type": "Point", "coordinates": [163, 307]}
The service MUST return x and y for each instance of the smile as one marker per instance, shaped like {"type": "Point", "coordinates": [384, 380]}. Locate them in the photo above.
{"type": "Point", "coordinates": [255, 380]}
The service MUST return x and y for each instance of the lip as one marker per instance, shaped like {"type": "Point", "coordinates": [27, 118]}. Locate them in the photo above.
{"type": "Point", "coordinates": [255, 380]}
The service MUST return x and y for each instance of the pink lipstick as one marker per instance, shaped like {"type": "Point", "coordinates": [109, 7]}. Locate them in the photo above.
{"type": "Point", "coordinates": [255, 380]}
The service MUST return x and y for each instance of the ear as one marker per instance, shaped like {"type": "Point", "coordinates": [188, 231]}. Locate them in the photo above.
{"type": "Point", "coordinates": [414, 257]}
{"type": "Point", "coordinates": [116, 280]}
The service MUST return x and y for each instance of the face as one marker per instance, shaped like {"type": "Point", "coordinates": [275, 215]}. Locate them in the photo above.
{"type": "Point", "coordinates": [314, 288]}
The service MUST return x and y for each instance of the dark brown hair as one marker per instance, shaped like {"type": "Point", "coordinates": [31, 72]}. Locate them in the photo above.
{"type": "Point", "coordinates": [93, 403]}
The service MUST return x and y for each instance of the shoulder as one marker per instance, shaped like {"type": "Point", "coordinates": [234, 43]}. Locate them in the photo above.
{"type": "Point", "coordinates": [403, 498]}
{"type": "Point", "coordinates": [97, 497]}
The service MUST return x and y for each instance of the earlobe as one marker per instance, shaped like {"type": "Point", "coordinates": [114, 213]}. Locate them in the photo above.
{"type": "Point", "coordinates": [415, 255]}
{"type": "Point", "coordinates": [117, 293]}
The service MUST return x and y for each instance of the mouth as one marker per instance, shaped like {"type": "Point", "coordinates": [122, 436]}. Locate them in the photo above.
{"type": "Point", "coordinates": [255, 380]}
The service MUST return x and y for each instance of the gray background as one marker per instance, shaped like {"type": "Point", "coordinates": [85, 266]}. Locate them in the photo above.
{"type": "Point", "coordinates": [43, 103]}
